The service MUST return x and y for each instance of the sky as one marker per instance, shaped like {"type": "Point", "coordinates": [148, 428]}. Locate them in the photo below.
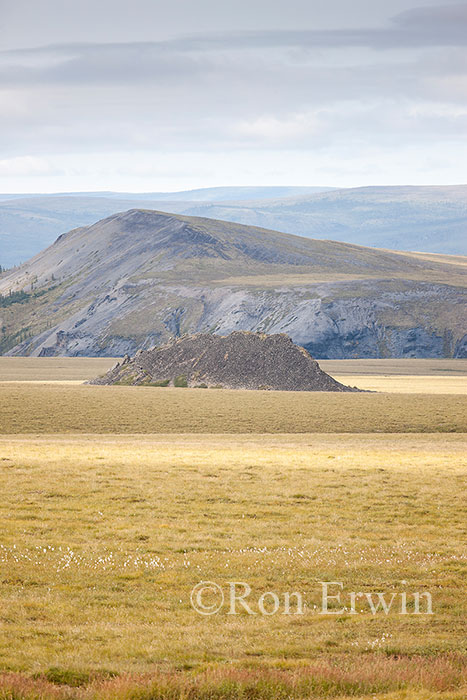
{"type": "Point", "coordinates": [145, 95]}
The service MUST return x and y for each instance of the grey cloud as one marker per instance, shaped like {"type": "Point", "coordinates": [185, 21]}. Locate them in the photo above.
{"type": "Point", "coordinates": [218, 89]}
{"type": "Point", "coordinates": [420, 27]}
{"type": "Point", "coordinates": [442, 16]}
{"type": "Point", "coordinates": [165, 60]}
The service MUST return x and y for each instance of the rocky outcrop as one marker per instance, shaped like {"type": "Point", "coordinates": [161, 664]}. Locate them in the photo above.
{"type": "Point", "coordinates": [238, 361]}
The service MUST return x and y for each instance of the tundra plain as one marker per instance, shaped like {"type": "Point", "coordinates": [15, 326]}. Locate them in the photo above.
{"type": "Point", "coordinates": [116, 501]}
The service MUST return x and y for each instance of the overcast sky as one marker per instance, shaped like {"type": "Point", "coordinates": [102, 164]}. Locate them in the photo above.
{"type": "Point", "coordinates": [145, 95]}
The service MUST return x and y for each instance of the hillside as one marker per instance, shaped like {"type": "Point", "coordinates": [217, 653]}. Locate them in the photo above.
{"type": "Point", "coordinates": [238, 361]}
{"type": "Point", "coordinates": [431, 219]}
{"type": "Point", "coordinates": [140, 277]}
{"type": "Point", "coordinates": [29, 223]}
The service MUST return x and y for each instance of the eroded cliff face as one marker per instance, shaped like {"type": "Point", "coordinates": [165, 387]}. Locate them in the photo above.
{"type": "Point", "coordinates": [373, 324]}
{"type": "Point", "coordinates": [139, 278]}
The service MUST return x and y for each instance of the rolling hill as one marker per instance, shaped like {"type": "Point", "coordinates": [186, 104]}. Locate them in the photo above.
{"type": "Point", "coordinates": [29, 223]}
{"type": "Point", "coordinates": [430, 219]}
{"type": "Point", "coordinates": [139, 277]}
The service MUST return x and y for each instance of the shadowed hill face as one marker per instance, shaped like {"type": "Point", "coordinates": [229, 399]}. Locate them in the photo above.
{"type": "Point", "coordinates": [238, 361]}
{"type": "Point", "coordinates": [430, 219]}
{"type": "Point", "coordinates": [139, 277]}
{"type": "Point", "coordinates": [140, 244]}
{"type": "Point", "coordinates": [29, 223]}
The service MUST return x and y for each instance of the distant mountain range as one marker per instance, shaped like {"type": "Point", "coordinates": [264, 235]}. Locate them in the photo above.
{"type": "Point", "coordinates": [140, 277]}
{"type": "Point", "coordinates": [205, 194]}
{"type": "Point", "coordinates": [29, 223]}
{"type": "Point", "coordinates": [429, 219]}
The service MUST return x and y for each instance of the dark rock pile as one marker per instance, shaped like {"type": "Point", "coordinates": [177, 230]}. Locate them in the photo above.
{"type": "Point", "coordinates": [241, 360]}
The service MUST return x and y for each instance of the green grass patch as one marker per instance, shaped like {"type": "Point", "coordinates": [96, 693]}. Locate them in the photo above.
{"type": "Point", "coordinates": [181, 381]}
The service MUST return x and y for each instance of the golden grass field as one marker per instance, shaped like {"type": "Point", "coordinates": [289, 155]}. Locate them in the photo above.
{"type": "Point", "coordinates": [83, 368]}
{"type": "Point", "coordinates": [401, 376]}
{"type": "Point", "coordinates": [53, 369]}
{"type": "Point", "coordinates": [116, 501]}
{"type": "Point", "coordinates": [52, 408]}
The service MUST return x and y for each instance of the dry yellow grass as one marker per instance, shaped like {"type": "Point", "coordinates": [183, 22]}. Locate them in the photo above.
{"type": "Point", "coordinates": [434, 367]}
{"type": "Point", "coordinates": [397, 384]}
{"type": "Point", "coordinates": [50, 408]}
{"type": "Point", "coordinates": [53, 368]}
{"type": "Point", "coordinates": [103, 538]}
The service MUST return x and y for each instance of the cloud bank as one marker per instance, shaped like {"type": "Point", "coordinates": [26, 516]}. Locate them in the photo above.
{"type": "Point", "coordinates": [395, 93]}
